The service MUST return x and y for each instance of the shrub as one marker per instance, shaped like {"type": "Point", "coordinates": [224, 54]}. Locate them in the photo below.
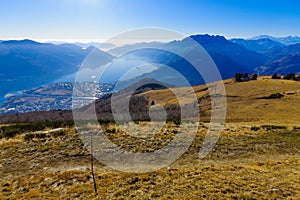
{"type": "Point", "coordinates": [275, 76]}
{"type": "Point", "coordinates": [253, 77]}
{"type": "Point", "coordinates": [9, 131]}
{"type": "Point", "coordinates": [255, 128]}
{"type": "Point", "coordinates": [113, 130]}
{"type": "Point", "coordinates": [175, 121]}
{"type": "Point", "coordinates": [29, 136]}
{"type": "Point", "coordinates": [40, 135]}
{"type": "Point", "coordinates": [273, 96]}
{"type": "Point", "coordinates": [296, 128]}
{"type": "Point", "coordinates": [241, 77]}
{"type": "Point", "coordinates": [105, 121]}
{"type": "Point", "coordinates": [291, 76]}
{"type": "Point", "coordinates": [59, 133]}
{"type": "Point", "coordinates": [12, 130]}
{"type": "Point", "coordinates": [271, 127]}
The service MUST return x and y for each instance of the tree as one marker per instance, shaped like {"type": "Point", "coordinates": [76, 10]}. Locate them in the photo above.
{"type": "Point", "coordinates": [291, 76]}
{"type": "Point", "coordinates": [276, 76]}
{"type": "Point", "coordinates": [241, 77]}
{"type": "Point", "coordinates": [238, 77]}
{"type": "Point", "coordinates": [253, 77]}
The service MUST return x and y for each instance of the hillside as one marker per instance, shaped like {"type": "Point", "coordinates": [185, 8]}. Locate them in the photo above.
{"type": "Point", "coordinates": [256, 156]}
{"type": "Point", "coordinates": [283, 61]}
{"type": "Point", "coordinates": [246, 98]}
{"type": "Point", "coordinates": [243, 101]}
{"type": "Point", "coordinates": [282, 55]}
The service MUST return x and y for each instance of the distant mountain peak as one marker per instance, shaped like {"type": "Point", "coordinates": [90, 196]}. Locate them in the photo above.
{"type": "Point", "coordinates": [289, 40]}
{"type": "Point", "coordinates": [208, 38]}
{"type": "Point", "coordinates": [261, 37]}
{"type": "Point", "coordinates": [20, 42]}
{"type": "Point", "coordinates": [263, 45]}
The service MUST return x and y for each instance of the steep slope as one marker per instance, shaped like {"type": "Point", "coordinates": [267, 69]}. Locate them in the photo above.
{"type": "Point", "coordinates": [229, 57]}
{"type": "Point", "coordinates": [283, 61]}
{"type": "Point", "coordinates": [280, 58]}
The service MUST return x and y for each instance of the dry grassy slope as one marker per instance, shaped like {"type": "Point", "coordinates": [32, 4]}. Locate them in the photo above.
{"type": "Point", "coordinates": [245, 164]}
{"type": "Point", "coordinates": [243, 104]}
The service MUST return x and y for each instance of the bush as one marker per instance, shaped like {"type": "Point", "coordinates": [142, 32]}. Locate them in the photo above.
{"type": "Point", "coordinates": [29, 136]}
{"type": "Point", "coordinates": [253, 77]}
{"type": "Point", "coordinates": [9, 131]}
{"type": "Point", "coordinates": [271, 127]}
{"type": "Point", "coordinates": [255, 128]}
{"type": "Point", "coordinates": [41, 135]}
{"type": "Point", "coordinates": [174, 121]}
{"type": "Point", "coordinates": [273, 96]}
{"type": "Point", "coordinates": [241, 77]}
{"type": "Point", "coordinates": [105, 121]}
{"type": "Point", "coordinates": [113, 130]}
{"type": "Point", "coordinates": [276, 76]}
{"type": "Point", "coordinates": [59, 133]}
{"type": "Point", "coordinates": [13, 130]}
{"type": "Point", "coordinates": [296, 128]}
{"type": "Point", "coordinates": [291, 76]}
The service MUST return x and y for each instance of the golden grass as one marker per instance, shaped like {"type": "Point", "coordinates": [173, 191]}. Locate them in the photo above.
{"type": "Point", "coordinates": [256, 157]}
{"type": "Point", "coordinates": [243, 103]}
{"type": "Point", "coordinates": [245, 164]}
{"type": "Point", "coordinates": [265, 180]}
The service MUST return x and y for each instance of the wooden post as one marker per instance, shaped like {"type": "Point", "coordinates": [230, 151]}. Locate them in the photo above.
{"type": "Point", "coordinates": [92, 164]}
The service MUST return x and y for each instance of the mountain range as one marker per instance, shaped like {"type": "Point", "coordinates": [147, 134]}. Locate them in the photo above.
{"type": "Point", "coordinates": [28, 64]}
{"type": "Point", "coordinates": [289, 40]}
{"type": "Point", "coordinates": [263, 46]}
{"type": "Point", "coordinates": [281, 58]}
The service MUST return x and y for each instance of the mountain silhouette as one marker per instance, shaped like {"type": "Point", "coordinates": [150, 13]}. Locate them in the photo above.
{"type": "Point", "coordinates": [289, 40]}
{"type": "Point", "coordinates": [263, 46]}
{"type": "Point", "coordinates": [283, 61]}
{"type": "Point", "coordinates": [26, 63]}
{"type": "Point", "coordinates": [229, 58]}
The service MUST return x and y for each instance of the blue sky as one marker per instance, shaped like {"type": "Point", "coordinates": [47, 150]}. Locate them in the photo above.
{"type": "Point", "coordinates": [98, 20]}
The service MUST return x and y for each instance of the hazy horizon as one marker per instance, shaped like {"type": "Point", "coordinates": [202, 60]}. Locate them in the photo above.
{"type": "Point", "coordinates": [58, 41]}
